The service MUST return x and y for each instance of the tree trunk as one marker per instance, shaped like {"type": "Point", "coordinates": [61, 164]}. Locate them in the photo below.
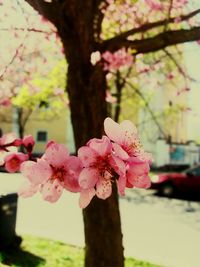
{"type": "Point", "coordinates": [20, 123]}
{"type": "Point", "coordinates": [86, 86]}
{"type": "Point", "coordinates": [103, 237]}
{"type": "Point", "coordinates": [119, 87]}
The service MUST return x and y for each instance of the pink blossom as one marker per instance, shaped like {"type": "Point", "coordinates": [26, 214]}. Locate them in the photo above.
{"type": "Point", "coordinates": [137, 173]}
{"type": "Point", "coordinates": [127, 147]}
{"type": "Point", "coordinates": [100, 163]}
{"type": "Point", "coordinates": [27, 189]}
{"type": "Point", "coordinates": [170, 76]}
{"type": "Point", "coordinates": [14, 160]}
{"type": "Point", "coordinates": [120, 58]}
{"type": "Point", "coordinates": [55, 171]}
{"type": "Point", "coordinates": [178, 19]}
{"type": "Point", "coordinates": [9, 139]}
{"type": "Point", "coordinates": [8, 144]}
{"type": "Point", "coordinates": [28, 142]}
{"type": "Point", "coordinates": [125, 136]}
{"type": "Point", "coordinates": [58, 92]}
{"type": "Point", "coordinates": [155, 5]}
{"type": "Point", "coordinates": [179, 3]}
{"type": "Point", "coordinates": [100, 169]}
{"type": "Point", "coordinates": [6, 102]}
{"type": "Point", "coordinates": [109, 98]}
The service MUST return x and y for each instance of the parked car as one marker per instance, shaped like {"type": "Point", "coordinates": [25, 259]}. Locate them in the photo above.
{"type": "Point", "coordinates": [169, 184]}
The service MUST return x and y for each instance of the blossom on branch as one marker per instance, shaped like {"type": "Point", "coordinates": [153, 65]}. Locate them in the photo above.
{"type": "Point", "coordinates": [13, 161]}
{"type": "Point", "coordinates": [127, 147]}
{"type": "Point", "coordinates": [52, 173]}
{"type": "Point", "coordinates": [8, 144]}
{"type": "Point", "coordinates": [100, 169]}
{"type": "Point", "coordinates": [116, 60]}
{"type": "Point", "coordinates": [117, 158]}
{"type": "Point", "coordinates": [28, 143]}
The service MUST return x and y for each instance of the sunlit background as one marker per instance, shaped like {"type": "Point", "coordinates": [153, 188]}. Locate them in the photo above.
{"type": "Point", "coordinates": [161, 230]}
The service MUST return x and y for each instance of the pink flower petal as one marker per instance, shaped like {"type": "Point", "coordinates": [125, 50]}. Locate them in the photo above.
{"type": "Point", "coordinates": [101, 146]}
{"type": "Point", "coordinates": [71, 184]}
{"type": "Point", "coordinates": [120, 152]}
{"type": "Point", "coordinates": [28, 140]}
{"type": "Point", "coordinates": [138, 167]}
{"type": "Point", "coordinates": [87, 155]}
{"type": "Point", "coordinates": [8, 138]}
{"type": "Point", "coordinates": [103, 188]}
{"type": "Point", "coordinates": [27, 189]}
{"type": "Point", "coordinates": [74, 164]}
{"type": "Point", "coordinates": [29, 143]}
{"type": "Point", "coordinates": [56, 154]}
{"type": "Point", "coordinates": [118, 165]}
{"type": "Point", "coordinates": [121, 185]}
{"type": "Point", "coordinates": [145, 156]}
{"type": "Point", "coordinates": [85, 197]}
{"type": "Point", "coordinates": [88, 178]}
{"type": "Point", "coordinates": [74, 167]}
{"type": "Point", "coordinates": [128, 126]}
{"type": "Point", "coordinates": [113, 130]}
{"type": "Point", "coordinates": [52, 190]}
{"type": "Point", "coordinates": [37, 172]}
{"type": "Point", "coordinates": [142, 181]}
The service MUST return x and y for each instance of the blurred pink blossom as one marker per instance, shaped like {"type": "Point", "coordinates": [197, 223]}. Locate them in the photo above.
{"type": "Point", "coordinates": [109, 98]}
{"type": "Point", "coordinates": [28, 143]}
{"type": "Point", "coordinates": [116, 60]}
{"type": "Point", "coordinates": [5, 102]}
{"type": "Point", "coordinates": [155, 5]}
{"type": "Point", "coordinates": [14, 160]}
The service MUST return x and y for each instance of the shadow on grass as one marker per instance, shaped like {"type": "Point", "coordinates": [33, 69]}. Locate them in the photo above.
{"type": "Point", "coordinates": [18, 257]}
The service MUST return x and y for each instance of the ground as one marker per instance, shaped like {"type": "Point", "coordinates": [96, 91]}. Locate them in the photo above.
{"type": "Point", "coordinates": [159, 230]}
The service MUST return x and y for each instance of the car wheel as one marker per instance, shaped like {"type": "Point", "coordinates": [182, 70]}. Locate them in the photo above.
{"type": "Point", "coordinates": [167, 190]}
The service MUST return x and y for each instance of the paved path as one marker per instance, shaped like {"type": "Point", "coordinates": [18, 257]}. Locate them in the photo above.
{"type": "Point", "coordinates": [159, 230]}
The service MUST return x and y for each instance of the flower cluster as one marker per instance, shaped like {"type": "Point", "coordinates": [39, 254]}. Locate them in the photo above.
{"type": "Point", "coordinates": [117, 157]}
{"type": "Point", "coordinates": [116, 60]}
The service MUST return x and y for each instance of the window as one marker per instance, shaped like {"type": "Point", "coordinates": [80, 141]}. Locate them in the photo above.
{"type": "Point", "coordinates": [41, 136]}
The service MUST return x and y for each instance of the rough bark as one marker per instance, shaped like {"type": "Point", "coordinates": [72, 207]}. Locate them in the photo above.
{"type": "Point", "coordinates": [20, 123]}
{"type": "Point", "coordinates": [119, 87]}
{"type": "Point", "coordinates": [103, 237]}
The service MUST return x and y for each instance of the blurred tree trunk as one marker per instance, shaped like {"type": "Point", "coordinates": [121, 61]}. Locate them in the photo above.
{"type": "Point", "coordinates": [86, 85]}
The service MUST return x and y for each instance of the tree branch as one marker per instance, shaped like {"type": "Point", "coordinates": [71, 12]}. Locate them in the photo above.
{"type": "Point", "coordinates": [147, 106]}
{"type": "Point", "coordinates": [178, 66]}
{"type": "Point", "coordinates": [11, 61]}
{"type": "Point", "coordinates": [146, 27]}
{"type": "Point", "coordinates": [49, 10]}
{"type": "Point", "coordinates": [27, 30]}
{"type": "Point", "coordinates": [158, 42]}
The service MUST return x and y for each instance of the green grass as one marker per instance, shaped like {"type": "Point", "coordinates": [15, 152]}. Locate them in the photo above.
{"type": "Point", "coordinates": [40, 252]}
